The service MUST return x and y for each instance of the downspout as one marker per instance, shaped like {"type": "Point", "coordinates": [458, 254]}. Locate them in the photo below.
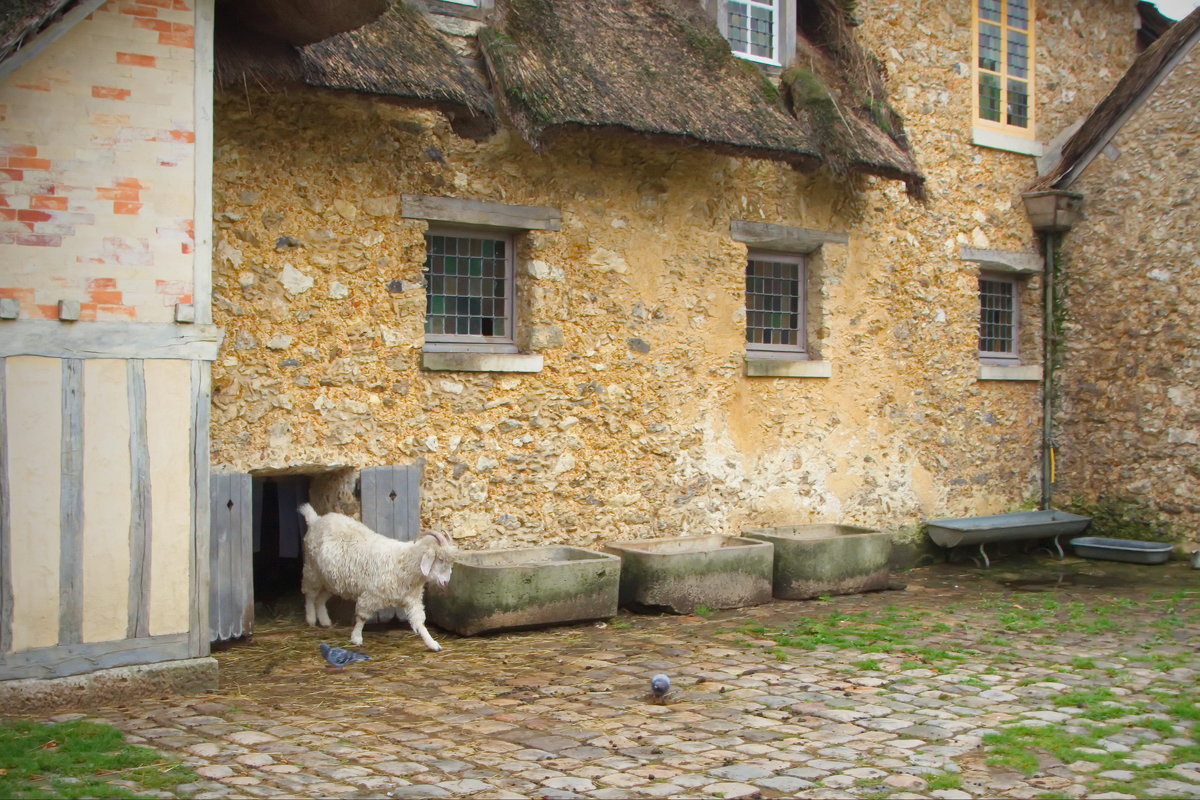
{"type": "Point", "coordinates": [1049, 241]}
{"type": "Point", "coordinates": [1051, 212]}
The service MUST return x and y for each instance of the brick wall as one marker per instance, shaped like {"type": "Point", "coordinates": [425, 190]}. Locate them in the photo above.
{"type": "Point", "coordinates": [97, 167]}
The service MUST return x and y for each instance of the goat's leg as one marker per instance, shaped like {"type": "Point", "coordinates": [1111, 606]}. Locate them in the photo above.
{"type": "Point", "coordinates": [364, 608]}
{"type": "Point", "coordinates": [415, 611]}
{"type": "Point", "coordinates": [322, 611]}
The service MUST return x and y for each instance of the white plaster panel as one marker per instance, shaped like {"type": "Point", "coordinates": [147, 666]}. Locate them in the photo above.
{"type": "Point", "coordinates": [168, 414]}
{"type": "Point", "coordinates": [106, 500]}
{"type": "Point", "coordinates": [34, 418]}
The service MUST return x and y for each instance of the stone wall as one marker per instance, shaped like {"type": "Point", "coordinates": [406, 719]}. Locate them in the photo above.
{"type": "Point", "coordinates": [642, 422]}
{"type": "Point", "coordinates": [1128, 407]}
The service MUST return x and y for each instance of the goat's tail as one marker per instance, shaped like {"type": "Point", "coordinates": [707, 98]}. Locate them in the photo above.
{"type": "Point", "coordinates": [309, 515]}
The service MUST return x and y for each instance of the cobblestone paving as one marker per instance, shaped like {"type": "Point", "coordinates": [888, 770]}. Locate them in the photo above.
{"type": "Point", "coordinates": [564, 712]}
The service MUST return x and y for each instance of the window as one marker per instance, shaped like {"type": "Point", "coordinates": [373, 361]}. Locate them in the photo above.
{"type": "Point", "coordinates": [999, 318]}
{"type": "Point", "coordinates": [1004, 66]}
{"type": "Point", "coordinates": [469, 289]}
{"type": "Point", "coordinates": [776, 296]}
{"type": "Point", "coordinates": [753, 29]}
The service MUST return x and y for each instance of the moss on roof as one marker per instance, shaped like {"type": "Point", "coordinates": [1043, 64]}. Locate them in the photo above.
{"type": "Point", "coordinates": [657, 67]}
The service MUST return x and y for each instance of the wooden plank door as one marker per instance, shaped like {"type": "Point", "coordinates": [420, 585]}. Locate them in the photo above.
{"type": "Point", "coordinates": [391, 505]}
{"type": "Point", "coordinates": [231, 577]}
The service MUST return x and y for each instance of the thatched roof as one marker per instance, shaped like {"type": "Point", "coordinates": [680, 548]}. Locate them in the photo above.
{"type": "Point", "coordinates": [23, 19]}
{"type": "Point", "coordinates": [662, 68]}
{"type": "Point", "coordinates": [397, 56]}
{"type": "Point", "coordinates": [652, 66]}
{"type": "Point", "coordinates": [400, 54]}
{"type": "Point", "coordinates": [1111, 113]}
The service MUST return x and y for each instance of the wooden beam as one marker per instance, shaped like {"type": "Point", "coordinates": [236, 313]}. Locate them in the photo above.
{"type": "Point", "coordinates": [73, 659]}
{"type": "Point", "coordinates": [202, 216]}
{"type": "Point", "coordinates": [475, 212]}
{"type": "Point", "coordinates": [108, 340]}
{"type": "Point", "coordinates": [784, 238]}
{"type": "Point", "coordinates": [198, 579]}
{"type": "Point", "coordinates": [6, 593]}
{"type": "Point", "coordinates": [70, 559]}
{"type": "Point", "coordinates": [140, 508]}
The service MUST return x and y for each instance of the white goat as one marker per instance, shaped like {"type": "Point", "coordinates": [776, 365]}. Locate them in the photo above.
{"type": "Point", "coordinates": [342, 556]}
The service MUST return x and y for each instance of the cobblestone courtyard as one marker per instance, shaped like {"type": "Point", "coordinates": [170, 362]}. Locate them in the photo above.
{"type": "Point", "coordinates": [1030, 679]}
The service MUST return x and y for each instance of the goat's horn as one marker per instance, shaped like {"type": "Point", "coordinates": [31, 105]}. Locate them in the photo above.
{"type": "Point", "coordinates": [441, 538]}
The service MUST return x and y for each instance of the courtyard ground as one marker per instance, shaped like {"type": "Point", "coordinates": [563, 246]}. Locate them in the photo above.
{"type": "Point", "coordinates": [1034, 678]}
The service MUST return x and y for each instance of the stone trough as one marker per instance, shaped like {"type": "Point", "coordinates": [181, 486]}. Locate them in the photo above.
{"type": "Point", "coordinates": [826, 559]}
{"type": "Point", "coordinates": [683, 573]}
{"type": "Point", "coordinates": [528, 587]}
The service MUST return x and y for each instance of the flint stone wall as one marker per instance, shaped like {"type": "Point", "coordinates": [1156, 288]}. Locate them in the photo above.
{"type": "Point", "coordinates": [1128, 405]}
{"type": "Point", "coordinates": [642, 422]}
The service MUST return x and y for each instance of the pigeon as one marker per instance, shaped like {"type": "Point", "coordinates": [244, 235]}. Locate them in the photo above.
{"type": "Point", "coordinates": [660, 687]}
{"type": "Point", "coordinates": [339, 658]}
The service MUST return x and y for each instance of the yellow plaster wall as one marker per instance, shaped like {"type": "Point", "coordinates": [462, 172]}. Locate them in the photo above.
{"type": "Point", "coordinates": [106, 500]}
{"type": "Point", "coordinates": [168, 392]}
{"type": "Point", "coordinates": [34, 417]}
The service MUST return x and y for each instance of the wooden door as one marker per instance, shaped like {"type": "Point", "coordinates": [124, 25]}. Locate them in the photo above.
{"type": "Point", "coordinates": [231, 578]}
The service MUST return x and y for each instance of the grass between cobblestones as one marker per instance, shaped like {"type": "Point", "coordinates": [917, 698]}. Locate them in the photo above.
{"type": "Point", "coordinates": [80, 759]}
{"type": "Point", "coordinates": [1091, 715]}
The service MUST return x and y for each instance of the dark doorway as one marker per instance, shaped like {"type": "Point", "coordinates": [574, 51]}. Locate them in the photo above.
{"type": "Point", "coordinates": [278, 537]}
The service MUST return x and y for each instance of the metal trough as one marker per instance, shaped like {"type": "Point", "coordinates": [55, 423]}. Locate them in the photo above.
{"type": "Point", "coordinates": [1131, 550]}
{"type": "Point", "coordinates": [950, 533]}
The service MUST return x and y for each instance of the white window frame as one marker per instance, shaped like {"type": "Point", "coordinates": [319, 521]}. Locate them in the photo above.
{"type": "Point", "coordinates": [798, 350]}
{"type": "Point", "coordinates": [470, 343]}
{"type": "Point", "coordinates": [784, 30]}
{"type": "Point", "coordinates": [1012, 356]}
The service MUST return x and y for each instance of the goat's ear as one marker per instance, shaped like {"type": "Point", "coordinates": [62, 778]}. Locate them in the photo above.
{"type": "Point", "coordinates": [442, 567]}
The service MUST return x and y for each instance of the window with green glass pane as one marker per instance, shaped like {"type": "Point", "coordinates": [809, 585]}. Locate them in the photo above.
{"type": "Point", "coordinates": [468, 281]}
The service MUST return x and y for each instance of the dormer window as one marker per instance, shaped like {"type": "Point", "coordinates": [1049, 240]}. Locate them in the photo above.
{"type": "Point", "coordinates": [762, 31]}
{"type": "Point", "coordinates": [754, 29]}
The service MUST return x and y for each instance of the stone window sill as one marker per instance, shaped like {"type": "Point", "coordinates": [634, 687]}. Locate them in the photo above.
{"type": "Point", "coordinates": [1016, 372]}
{"type": "Point", "coordinates": [482, 362]}
{"type": "Point", "coordinates": [986, 137]}
{"type": "Point", "coordinates": [757, 367]}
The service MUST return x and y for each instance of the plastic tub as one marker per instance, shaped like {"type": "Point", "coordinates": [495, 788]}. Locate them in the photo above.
{"type": "Point", "coordinates": [1131, 550]}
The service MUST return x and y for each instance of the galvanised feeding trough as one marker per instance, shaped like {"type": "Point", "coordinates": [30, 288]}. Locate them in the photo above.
{"type": "Point", "coordinates": [826, 559]}
{"type": "Point", "coordinates": [527, 587]}
{"type": "Point", "coordinates": [682, 573]}
{"type": "Point", "coordinates": [1132, 551]}
{"type": "Point", "coordinates": [963, 531]}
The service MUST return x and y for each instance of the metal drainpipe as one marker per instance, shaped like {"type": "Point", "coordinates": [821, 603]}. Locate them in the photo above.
{"type": "Point", "coordinates": [1047, 370]}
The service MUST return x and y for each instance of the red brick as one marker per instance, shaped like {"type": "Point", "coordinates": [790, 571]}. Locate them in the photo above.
{"type": "Point", "coordinates": [178, 136]}
{"type": "Point", "coordinates": [28, 163]}
{"type": "Point", "coordinates": [48, 201]}
{"type": "Point", "coordinates": [29, 216]}
{"type": "Point", "coordinates": [185, 249]}
{"type": "Point", "coordinates": [40, 86]}
{"type": "Point", "coordinates": [108, 193]}
{"type": "Point", "coordinates": [13, 174]}
{"type": "Point", "coordinates": [110, 93]}
{"type": "Point", "coordinates": [129, 312]}
{"type": "Point", "coordinates": [39, 239]}
{"type": "Point", "coordinates": [178, 38]}
{"type": "Point", "coordinates": [138, 10]}
{"type": "Point", "coordinates": [164, 4]}
{"type": "Point", "coordinates": [136, 60]}
{"type": "Point", "coordinates": [180, 5]}
{"type": "Point", "coordinates": [106, 298]}
{"type": "Point", "coordinates": [95, 284]}
{"type": "Point", "coordinates": [160, 25]}
{"type": "Point", "coordinates": [26, 150]}
{"type": "Point", "coordinates": [46, 312]}
{"type": "Point", "coordinates": [8, 214]}
{"type": "Point", "coordinates": [16, 293]}
{"type": "Point", "coordinates": [125, 207]}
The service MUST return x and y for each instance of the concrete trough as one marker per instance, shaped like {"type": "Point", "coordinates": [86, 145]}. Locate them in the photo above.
{"type": "Point", "coordinates": [683, 573]}
{"type": "Point", "coordinates": [526, 587]}
{"type": "Point", "coordinates": [826, 559]}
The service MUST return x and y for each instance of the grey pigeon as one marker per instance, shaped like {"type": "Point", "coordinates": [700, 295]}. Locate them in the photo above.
{"type": "Point", "coordinates": [338, 657]}
{"type": "Point", "coordinates": [659, 685]}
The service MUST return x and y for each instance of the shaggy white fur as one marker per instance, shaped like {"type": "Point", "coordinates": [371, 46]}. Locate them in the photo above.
{"type": "Point", "coordinates": [342, 556]}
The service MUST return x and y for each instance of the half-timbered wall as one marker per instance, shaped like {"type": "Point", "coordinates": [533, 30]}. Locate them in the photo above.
{"type": "Point", "coordinates": [105, 340]}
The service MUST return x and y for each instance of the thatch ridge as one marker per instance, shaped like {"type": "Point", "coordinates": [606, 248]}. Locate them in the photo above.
{"type": "Point", "coordinates": [655, 67]}
{"type": "Point", "coordinates": [1099, 125]}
